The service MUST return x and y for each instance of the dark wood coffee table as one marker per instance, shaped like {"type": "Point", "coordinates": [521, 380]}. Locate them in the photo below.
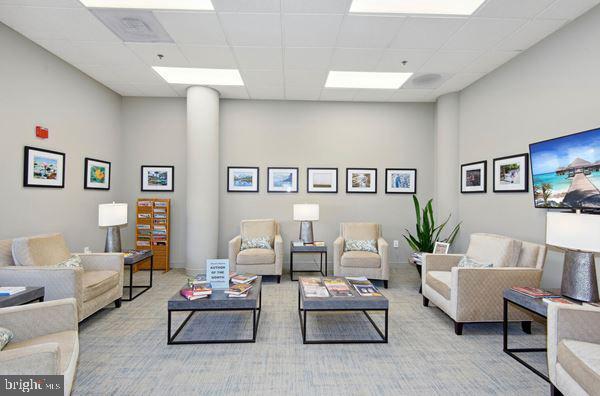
{"type": "Point", "coordinates": [29, 295]}
{"type": "Point", "coordinates": [217, 301]}
{"type": "Point", "coordinates": [132, 262]}
{"type": "Point", "coordinates": [356, 303]}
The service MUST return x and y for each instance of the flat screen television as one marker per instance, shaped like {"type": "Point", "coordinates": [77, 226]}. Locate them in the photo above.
{"type": "Point", "coordinates": [566, 171]}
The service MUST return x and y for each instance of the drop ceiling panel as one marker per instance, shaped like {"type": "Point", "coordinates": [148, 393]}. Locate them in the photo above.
{"type": "Point", "coordinates": [512, 8]}
{"type": "Point", "coordinates": [355, 59]}
{"type": "Point", "coordinates": [490, 61]}
{"type": "Point", "coordinates": [125, 89]}
{"type": "Point", "coordinates": [392, 60]}
{"type": "Point", "coordinates": [45, 3]}
{"type": "Point", "coordinates": [449, 61]}
{"type": "Point", "coordinates": [259, 58]}
{"type": "Point", "coordinates": [148, 53]}
{"type": "Point", "coordinates": [568, 9]}
{"type": "Point", "coordinates": [413, 95]}
{"type": "Point", "coordinates": [311, 30]}
{"type": "Point", "coordinates": [482, 33]}
{"type": "Point", "coordinates": [530, 34]}
{"type": "Point", "coordinates": [360, 31]}
{"type": "Point", "coordinates": [316, 6]}
{"type": "Point", "coordinates": [247, 5]}
{"type": "Point", "coordinates": [108, 54]}
{"type": "Point", "coordinates": [306, 78]}
{"type": "Point", "coordinates": [337, 94]}
{"type": "Point", "coordinates": [209, 57]}
{"type": "Point", "coordinates": [267, 92]}
{"type": "Point", "coordinates": [307, 58]}
{"type": "Point", "coordinates": [157, 90]}
{"type": "Point", "coordinates": [427, 81]}
{"type": "Point", "coordinates": [257, 78]}
{"type": "Point", "coordinates": [201, 28]}
{"type": "Point", "coordinates": [261, 30]}
{"type": "Point", "coordinates": [458, 82]}
{"type": "Point", "coordinates": [426, 33]}
{"type": "Point", "coordinates": [231, 92]}
{"type": "Point", "coordinates": [301, 92]}
{"type": "Point", "coordinates": [37, 22]}
{"type": "Point", "coordinates": [373, 95]}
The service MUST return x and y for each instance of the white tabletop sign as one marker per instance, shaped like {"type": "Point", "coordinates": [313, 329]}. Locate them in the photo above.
{"type": "Point", "coordinates": [217, 273]}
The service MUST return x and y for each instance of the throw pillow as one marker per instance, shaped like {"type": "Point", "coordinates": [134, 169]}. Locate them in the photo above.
{"type": "Point", "coordinates": [72, 262]}
{"type": "Point", "coordinates": [257, 243]}
{"type": "Point", "coordinates": [5, 337]}
{"type": "Point", "coordinates": [367, 245]}
{"type": "Point", "coordinates": [467, 262]}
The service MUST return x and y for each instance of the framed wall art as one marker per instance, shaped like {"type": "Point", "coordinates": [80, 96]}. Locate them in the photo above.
{"type": "Point", "coordinates": [96, 174]}
{"type": "Point", "coordinates": [361, 180]}
{"type": "Point", "coordinates": [473, 177]}
{"type": "Point", "coordinates": [322, 180]}
{"type": "Point", "coordinates": [43, 168]}
{"type": "Point", "coordinates": [158, 178]}
{"type": "Point", "coordinates": [511, 174]}
{"type": "Point", "coordinates": [282, 180]}
{"type": "Point", "coordinates": [242, 179]}
{"type": "Point", "coordinates": [400, 181]}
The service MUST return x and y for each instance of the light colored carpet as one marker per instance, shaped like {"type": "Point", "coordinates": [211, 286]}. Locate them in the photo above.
{"type": "Point", "coordinates": [124, 351]}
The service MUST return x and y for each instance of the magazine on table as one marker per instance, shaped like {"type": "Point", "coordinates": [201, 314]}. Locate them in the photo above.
{"type": "Point", "coordinates": [242, 278]}
{"type": "Point", "coordinates": [534, 292]}
{"type": "Point", "coordinates": [311, 280]}
{"type": "Point", "coordinates": [363, 286]}
{"type": "Point", "coordinates": [10, 290]}
{"type": "Point", "coordinates": [315, 291]}
{"type": "Point", "coordinates": [559, 300]}
{"type": "Point", "coordinates": [238, 290]}
{"type": "Point", "coordinates": [190, 294]}
{"type": "Point", "coordinates": [337, 287]}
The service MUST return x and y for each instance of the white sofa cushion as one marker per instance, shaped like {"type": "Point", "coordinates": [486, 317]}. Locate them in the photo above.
{"type": "Point", "coordinates": [440, 282]}
{"type": "Point", "coordinates": [360, 259]}
{"type": "Point", "coordinates": [96, 283]}
{"type": "Point", "coordinates": [582, 361]}
{"type": "Point", "coordinates": [255, 256]}
{"type": "Point", "coordinates": [41, 250]}
{"type": "Point", "coordinates": [498, 250]}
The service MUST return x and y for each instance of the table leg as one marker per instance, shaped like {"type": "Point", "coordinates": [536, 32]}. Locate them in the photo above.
{"type": "Point", "coordinates": [292, 266]}
{"type": "Point", "coordinates": [325, 263]}
{"type": "Point", "coordinates": [321, 263]}
{"type": "Point", "coordinates": [130, 282]}
{"type": "Point", "coordinates": [505, 326]}
{"type": "Point", "coordinates": [169, 328]}
{"type": "Point", "coordinates": [151, 268]}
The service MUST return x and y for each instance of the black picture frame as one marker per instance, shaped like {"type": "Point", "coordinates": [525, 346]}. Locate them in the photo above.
{"type": "Point", "coordinates": [26, 156]}
{"type": "Point", "coordinates": [269, 169]}
{"type": "Point", "coordinates": [86, 174]}
{"type": "Point", "coordinates": [171, 167]}
{"type": "Point", "coordinates": [348, 170]}
{"type": "Point", "coordinates": [308, 186]}
{"type": "Point", "coordinates": [484, 167]}
{"type": "Point", "coordinates": [256, 190]}
{"type": "Point", "coordinates": [387, 170]}
{"type": "Point", "coordinates": [525, 157]}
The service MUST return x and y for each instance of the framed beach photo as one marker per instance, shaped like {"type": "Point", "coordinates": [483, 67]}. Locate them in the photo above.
{"type": "Point", "coordinates": [158, 178]}
{"type": "Point", "coordinates": [473, 177]}
{"type": "Point", "coordinates": [242, 179]}
{"type": "Point", "coordinates": [282, 180]}
{"type": "Point", "coordinates": [441, 248]}
{"type": "Point", "coordinates": [96, 174]}
{"type": "Point", "coordinates": [400, 181]}
{"type": "Point", "coordinates": [511, 174]}
{"type": "Point", "coordinates": [43, 168]}
{"type": "Point", "coordinates": [322, 180]}
{"type": "Point", "coordinates": [361, 180]}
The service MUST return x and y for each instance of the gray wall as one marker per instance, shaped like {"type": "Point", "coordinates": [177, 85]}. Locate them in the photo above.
{"type": "Point", "coordinates": [84, 121]}
{"type": "Point", "coordinates": [549, 91]}
{"type": "Point", "coordinates": [325, 134]}
{"type": "Point", "coordinates": [154, 134]}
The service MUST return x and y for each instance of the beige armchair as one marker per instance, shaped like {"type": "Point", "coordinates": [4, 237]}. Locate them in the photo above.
{"type": "Point", "coordinates": [257, 261]}
{"type": "Point", "coordinates": [574, 349]}
{"type": "Point", "coordinates": [45, 340]}
{"type": "Point", "coordinates": [32, 262]}
{"type": "Point", "coordinates": [472, 295]}
{"type": "Point", "coordinates": [356, 263]}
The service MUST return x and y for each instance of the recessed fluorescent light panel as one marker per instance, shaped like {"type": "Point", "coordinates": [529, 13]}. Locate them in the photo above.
{"type": "Point", "coordinates": [425, 7]}
{"type": "Point", "coordinates": [201, 5]}
{"type": "Point", "coordinates": [195, 76]}
{"type": "Point", "coordinates": [369, 80]}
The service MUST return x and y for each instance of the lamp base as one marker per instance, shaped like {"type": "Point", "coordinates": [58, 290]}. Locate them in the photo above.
{"type": "Point", "coordinates": [579, 280]}
{"type": "Point", "coordinates": [113, 240]}
{"type": "Point", "coordinates": [306, 232]}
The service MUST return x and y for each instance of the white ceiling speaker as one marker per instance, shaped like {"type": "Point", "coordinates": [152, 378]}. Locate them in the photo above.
{"type": "Point", "coordinates": [133, 26]}
{"type": "Point", "coordinates": [426, 79]}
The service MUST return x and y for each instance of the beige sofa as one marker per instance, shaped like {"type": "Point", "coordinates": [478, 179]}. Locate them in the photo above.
{"type": "Point", "coordinates": [257, 261]}
{"type": "Point", "coordinates": [45, 340]}
{"type": "Point", "coordinates": [32, 261]}
{"type": "Point", "coordinates": [356, 263]}
{"type": "Point", "coordinates": [574, 349]}
{"type": "Point", "coordinates": [472, 295]}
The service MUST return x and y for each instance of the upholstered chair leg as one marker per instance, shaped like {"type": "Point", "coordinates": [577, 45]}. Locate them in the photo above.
{"type": "Point", "coordinates": [554, 391]}
{"type": "Point", "coordinates": [425, 301]}
{"type": "Point", "coordinates": [118, 303]}
{"type": "Point", "coordinates": [385, 284]}
{"type": "Point", "coordinates": [458, 328]}
{"type": "Point", "coordinates": [526, 327]}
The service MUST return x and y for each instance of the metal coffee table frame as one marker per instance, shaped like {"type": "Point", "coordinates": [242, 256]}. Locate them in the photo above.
{"type": "Point", "coordinates": [131, 286]}
{"type": "Point", "coordinates": [302, 314]}
{"type": "Point", "coordinates": [255, 320]}
{"type": "Point", "coordinates": [320, 250]}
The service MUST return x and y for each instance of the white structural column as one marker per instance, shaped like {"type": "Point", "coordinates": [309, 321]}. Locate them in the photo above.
{"type": "Point", "coordinates": [447, 168]}
{"type": "Point", "coordinates": [202, 177]}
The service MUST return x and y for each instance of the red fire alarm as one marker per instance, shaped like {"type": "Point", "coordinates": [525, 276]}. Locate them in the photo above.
{"type": "Point", "coordinates": [40, 132]}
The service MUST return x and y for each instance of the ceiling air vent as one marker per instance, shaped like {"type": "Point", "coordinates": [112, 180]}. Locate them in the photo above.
{"type": "Point", "coordinates": [426, 81]}
{"type": "Point", "coordinates": [133, 26]}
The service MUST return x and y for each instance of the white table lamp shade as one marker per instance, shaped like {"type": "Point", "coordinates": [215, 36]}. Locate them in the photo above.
{"type": "Point", "coordinates": [114, 214]}
{"type": "Point", "coordinates": [573, 231]}
{"type": "Point", "coordinates": [306, 212]}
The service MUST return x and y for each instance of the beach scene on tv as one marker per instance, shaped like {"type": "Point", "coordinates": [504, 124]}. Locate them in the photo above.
{"type": "Point", "coordinates": [566, 171]}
